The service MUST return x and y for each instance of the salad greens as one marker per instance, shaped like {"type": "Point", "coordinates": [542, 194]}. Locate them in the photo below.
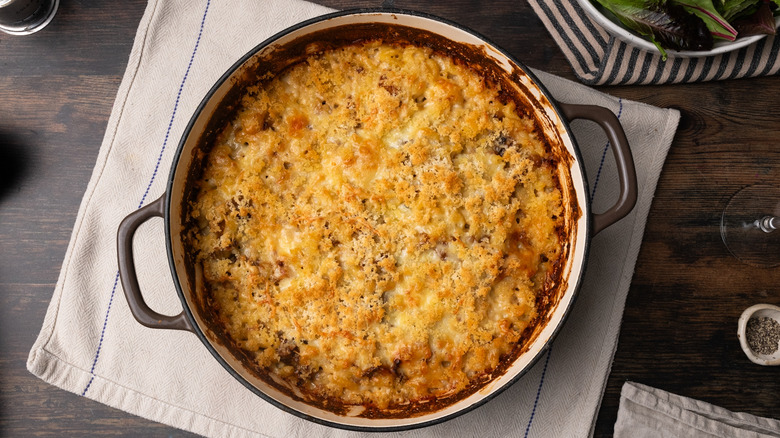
{"type": "Point", "coordinates": [704, 9]}
{"type": "Point", "coordinates": [694, 24]}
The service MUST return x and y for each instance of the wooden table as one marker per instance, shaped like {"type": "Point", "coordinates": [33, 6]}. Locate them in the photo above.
{"type": "Point", "coordinates": [678, 332]}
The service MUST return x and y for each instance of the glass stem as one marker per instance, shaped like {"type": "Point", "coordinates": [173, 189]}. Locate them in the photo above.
{"type": "Point", "coordinates": [769, 224]}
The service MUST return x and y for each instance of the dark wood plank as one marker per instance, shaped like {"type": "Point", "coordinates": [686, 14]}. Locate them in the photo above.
{"type": "Point", "coordinates": [56, 92]}
{"type": "Point", "coordinates": [678, 333]}
{"type": "Point", "coordinates": [687, 293]}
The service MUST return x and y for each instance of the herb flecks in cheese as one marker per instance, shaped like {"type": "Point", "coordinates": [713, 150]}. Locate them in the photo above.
{"type": "Point", "coordinates": [376, 225]}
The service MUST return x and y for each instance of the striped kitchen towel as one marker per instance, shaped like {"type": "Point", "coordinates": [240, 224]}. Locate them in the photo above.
{"type": "Point", "coordinates": [598, 58]}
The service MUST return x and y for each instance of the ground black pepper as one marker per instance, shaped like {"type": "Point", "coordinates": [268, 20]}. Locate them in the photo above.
{"type": "Point", "coordinates": [763, 334]}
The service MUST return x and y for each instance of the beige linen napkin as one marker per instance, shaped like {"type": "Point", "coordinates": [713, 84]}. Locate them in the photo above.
{"type": "Point", "coordinates": [647, 412]}
{"type": "Point", "coordinates": [91, 345]}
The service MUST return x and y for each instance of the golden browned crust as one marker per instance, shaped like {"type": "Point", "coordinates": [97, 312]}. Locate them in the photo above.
{"type": "Point", "coordinates": [376, 226]}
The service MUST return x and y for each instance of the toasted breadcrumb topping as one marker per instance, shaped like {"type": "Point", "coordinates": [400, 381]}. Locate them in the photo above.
{"type": "Point", "coordinates": [376, 226]}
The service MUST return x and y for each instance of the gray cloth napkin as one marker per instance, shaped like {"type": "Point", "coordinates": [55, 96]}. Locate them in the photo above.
{"type": "Point", "coordinates": [91, 345]}
{"type": "Point", "coordinates": [647, 412]}
{"type": "Point", "coordinates": [598, 58]}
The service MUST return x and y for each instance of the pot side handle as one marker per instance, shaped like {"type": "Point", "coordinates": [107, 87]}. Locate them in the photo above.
{"type": "Point", "coordinates": [135, 300]}
{"type": "Point", "coordinates": [623, 158]}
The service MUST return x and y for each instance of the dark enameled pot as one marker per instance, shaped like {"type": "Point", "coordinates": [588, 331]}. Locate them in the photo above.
{"type": "Point", "coordinates": [289, 47]}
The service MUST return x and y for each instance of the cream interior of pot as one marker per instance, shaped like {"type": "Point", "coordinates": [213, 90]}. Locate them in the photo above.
{"type": "Point", "coordinates": [203, 125]}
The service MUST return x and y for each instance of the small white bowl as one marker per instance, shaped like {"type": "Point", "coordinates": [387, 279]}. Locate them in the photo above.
{"type": "Point", "coordinates": [758, 311]}
{"type": "Point", "coordinates": [631, 38]}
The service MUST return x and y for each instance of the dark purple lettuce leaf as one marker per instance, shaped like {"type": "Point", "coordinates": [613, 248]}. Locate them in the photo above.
{"type": "Point", "coordinates": [762, 22]}
{"type": "Point", "coordinates": [669, 26]}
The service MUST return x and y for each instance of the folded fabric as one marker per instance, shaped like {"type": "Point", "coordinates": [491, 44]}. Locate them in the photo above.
{"type": "Point", "coordinates": [647, 412]}
{"type": "Point", "coordinates": [599, 58]}
{"type": "Point", "coordinates": [91, 345]}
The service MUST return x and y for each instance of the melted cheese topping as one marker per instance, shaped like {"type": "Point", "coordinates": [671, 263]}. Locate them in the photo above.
{"type": "Point", "coordinates": [376, 226]}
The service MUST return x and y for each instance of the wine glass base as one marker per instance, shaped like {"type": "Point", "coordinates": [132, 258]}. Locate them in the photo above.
{"type": "Point", "coordinates": [741, 230]}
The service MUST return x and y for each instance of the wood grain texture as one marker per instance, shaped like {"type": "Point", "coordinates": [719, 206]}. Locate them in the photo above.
{"type": "Point", "coordinates": [678, 333]}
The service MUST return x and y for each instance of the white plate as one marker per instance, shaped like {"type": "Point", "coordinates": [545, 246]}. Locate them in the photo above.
{"type": "Point", "coordinates": [631, 38]}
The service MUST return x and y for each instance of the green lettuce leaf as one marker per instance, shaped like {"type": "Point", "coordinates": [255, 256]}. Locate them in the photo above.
{"type": "Point", "coordinates": [731, 9]}
{"type": "Point", "coordinates": [704, 9]}
{"type": "Point", "coordinates": [665, 24]}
